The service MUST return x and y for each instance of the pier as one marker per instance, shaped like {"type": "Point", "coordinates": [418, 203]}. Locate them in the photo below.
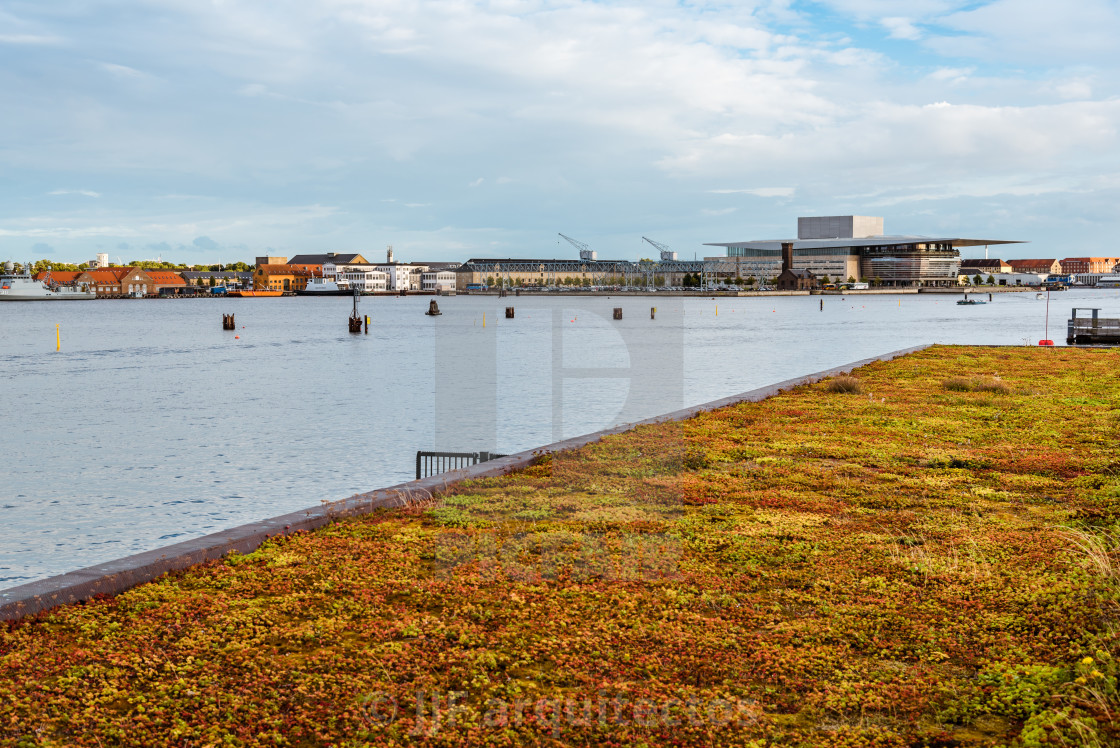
{"type": "Point", "coordinates": [1093, 329]}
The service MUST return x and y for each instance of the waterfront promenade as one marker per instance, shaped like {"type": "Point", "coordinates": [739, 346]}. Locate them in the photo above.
{"type": "Point", "coordinates": [919, 554]}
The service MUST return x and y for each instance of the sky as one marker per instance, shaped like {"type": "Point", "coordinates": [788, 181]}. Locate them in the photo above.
{"type": "Point", "coordinates": [219, 130]}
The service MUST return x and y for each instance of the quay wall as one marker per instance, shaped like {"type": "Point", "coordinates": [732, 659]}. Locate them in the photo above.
{"type": "Point", "coordinates": [114, 577]}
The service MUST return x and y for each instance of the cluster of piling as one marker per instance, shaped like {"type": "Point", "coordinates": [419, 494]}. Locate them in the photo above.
{"type": "Point", "coordinates": [228, 323]}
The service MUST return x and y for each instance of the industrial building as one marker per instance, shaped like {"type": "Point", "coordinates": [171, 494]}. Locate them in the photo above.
{"type": "Point", "coordinates": [854, 247]}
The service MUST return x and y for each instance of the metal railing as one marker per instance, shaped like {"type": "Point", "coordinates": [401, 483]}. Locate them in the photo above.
{"type": "Point", "coordinates": [434, 463]}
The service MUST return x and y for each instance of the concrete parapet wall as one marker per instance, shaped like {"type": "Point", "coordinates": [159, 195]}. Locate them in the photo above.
{"type": "Point", "coordinates": [116, 576]}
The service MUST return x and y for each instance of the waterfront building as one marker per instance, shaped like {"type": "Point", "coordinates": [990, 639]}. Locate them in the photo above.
{"type": "Point", "coordinates": [843, 247]}
{"type": "Point", "coordinates": [535, 272]}
{"type": "Point", "coordinates": [402, 276]}
{"type": "Point", "coordinates": [285, 277]}
{"type": "Point", "coordinates": [269, 260]}
{"type": "Point", "coordinates": [226, 278]}
{"type": "Point", "coordinates": [984, 267]}
{"type": "Point", "coordinates": [1093, 265]}
{"type": "Point", "coordinates": [129, 281]}
{"type": "Point", "coordinates": [104, 281]}
{"type": "Point", "coordinates": [1017, 279]}
{"type": "Point", "coordinates": [161, 279]}
{"type": "Point", "coordinates": [365, 278]}
{"type": "Point", "coordinates": [435, 280]}
{"type": "Point", "coordinates": [322, 259]}
{"type": "Point", "coordinates": [1032, 265]}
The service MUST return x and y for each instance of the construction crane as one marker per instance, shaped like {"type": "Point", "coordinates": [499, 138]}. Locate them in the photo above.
{"type": "Point", "coordinates": [585, 251]}
{"type": "Point", "coordinates": [666, 253]}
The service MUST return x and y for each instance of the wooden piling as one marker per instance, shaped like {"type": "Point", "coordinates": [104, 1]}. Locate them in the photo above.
{"type": "Point", "coordinates": [618, 312]}
{"type": "Point", "coordinates": [509, 312]}
{"type": "Point", "coordinates": [653, 312]}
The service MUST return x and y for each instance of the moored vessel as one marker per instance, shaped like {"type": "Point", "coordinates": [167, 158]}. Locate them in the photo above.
{"type": "Point", "coordinates": [25, 288]}
{"type": "Point", "coordinates": [322, 287]}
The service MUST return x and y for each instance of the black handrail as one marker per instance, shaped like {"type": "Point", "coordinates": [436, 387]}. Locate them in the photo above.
{"type": "Point", "coordinates": [434, 463]}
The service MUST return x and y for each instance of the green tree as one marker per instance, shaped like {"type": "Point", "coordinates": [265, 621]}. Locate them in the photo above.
{"type": "Point", "coordinates": [826, 279]}
{"type": "Point", "coordinates": [991, 280]}
{"type": "Point", "coordinates": [977, 280]}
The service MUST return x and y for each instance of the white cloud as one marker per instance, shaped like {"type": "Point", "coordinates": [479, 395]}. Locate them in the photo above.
{"type": "Point", "coordinates": [901, 28]}
{"type": "Point", "coordinates": [123, 71]}
{"type": "Point", "coordinates": [758, 192]}
{"type": "Point", "coordinates": [86, 193]}
{"type": "Point", "coordinates": [29, 39]}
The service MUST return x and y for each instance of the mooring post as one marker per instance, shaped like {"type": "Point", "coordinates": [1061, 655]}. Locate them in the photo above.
{"type": "Point", "coordinates": [367, 324]}
{"type": "Point", "coordinates": [618, 312]}
{"type": "Point", "coordinates": [509, 312]}
{"type": "Point", "coordinates": [653, 312]}
{"type": "Point", "coordinates": [822, 305]}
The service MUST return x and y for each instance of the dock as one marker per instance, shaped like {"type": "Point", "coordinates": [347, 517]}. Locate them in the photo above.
{"type": "Point", "coordinates": [1092, 329]}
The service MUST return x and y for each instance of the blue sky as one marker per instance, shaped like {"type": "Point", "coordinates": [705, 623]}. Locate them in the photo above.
{"type": "Point", "coordinates": [205, 131]}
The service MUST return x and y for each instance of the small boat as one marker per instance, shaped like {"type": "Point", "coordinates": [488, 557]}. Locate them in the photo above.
{"type": "Point", "coordinates": [970, 302]}
{"type": "Point", "coordinates": [25, 288]}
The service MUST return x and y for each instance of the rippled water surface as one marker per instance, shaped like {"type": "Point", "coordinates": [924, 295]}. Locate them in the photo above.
{"type": "Point", "coordinates": [153, 425]}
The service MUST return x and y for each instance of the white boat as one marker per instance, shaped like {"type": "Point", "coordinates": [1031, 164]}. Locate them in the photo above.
{"type": "Point", "coordinates": [323, 287]}
{"type": "Point", "coordinates": [25, 288]}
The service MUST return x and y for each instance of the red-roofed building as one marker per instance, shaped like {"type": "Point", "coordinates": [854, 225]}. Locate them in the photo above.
{"type": "Point", "coordinates": [164, 279]}
{"type": "Point", "coordinates": [1074, 265]}
{"type": "Point", "coordinates": [104, 281]}
{"type": "Point", "coordinates": [1031, 265]}
{"type": "Point", "coordinates": [117, 282]}
{"type": "Point", "coordinates": [61, 277]}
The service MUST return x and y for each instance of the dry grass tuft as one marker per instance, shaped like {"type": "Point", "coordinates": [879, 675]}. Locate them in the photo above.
{"type": "Point", "coordinates": [993, 385]}
{"type": "Point", "coordinates": [845, 384]}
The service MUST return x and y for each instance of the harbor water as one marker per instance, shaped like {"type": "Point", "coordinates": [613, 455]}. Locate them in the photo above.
{"type": "Point", "coordinates": [153, 424]}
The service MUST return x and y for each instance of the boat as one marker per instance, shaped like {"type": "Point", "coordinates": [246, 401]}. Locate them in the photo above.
{"type": "Point", "coordinates": [323, 287]}
{"type": "Point", "coordinates": [254, 292]}
{"type": "Point", "coordinates": [970, 302]}
{"type": "Point", "coordinates": [25, 288]}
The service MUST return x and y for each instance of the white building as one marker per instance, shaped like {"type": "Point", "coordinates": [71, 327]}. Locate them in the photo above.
{"type": "Point", "coordinates": [403, 277]}
{"type": "Point", "coordinates": [365, 278]}
{"type": "Point", "coordinates": [1015, 279]}
{"type": "Point", "coordinates": [437, 281]}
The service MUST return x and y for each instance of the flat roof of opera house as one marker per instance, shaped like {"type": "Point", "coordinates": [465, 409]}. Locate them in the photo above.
{"type": "Point", "coordinates": [869, 241]}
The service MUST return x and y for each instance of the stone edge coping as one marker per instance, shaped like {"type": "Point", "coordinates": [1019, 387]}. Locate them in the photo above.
{"type": "Point", "coordinates": [113, 577]}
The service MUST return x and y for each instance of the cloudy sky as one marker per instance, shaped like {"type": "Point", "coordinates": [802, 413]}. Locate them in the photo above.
{"type": "Point", "coordinates": [218, 130]}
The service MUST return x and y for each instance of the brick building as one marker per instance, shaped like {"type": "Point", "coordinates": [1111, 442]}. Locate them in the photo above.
{"type": "Point", "coordinates": [1074, 265]}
